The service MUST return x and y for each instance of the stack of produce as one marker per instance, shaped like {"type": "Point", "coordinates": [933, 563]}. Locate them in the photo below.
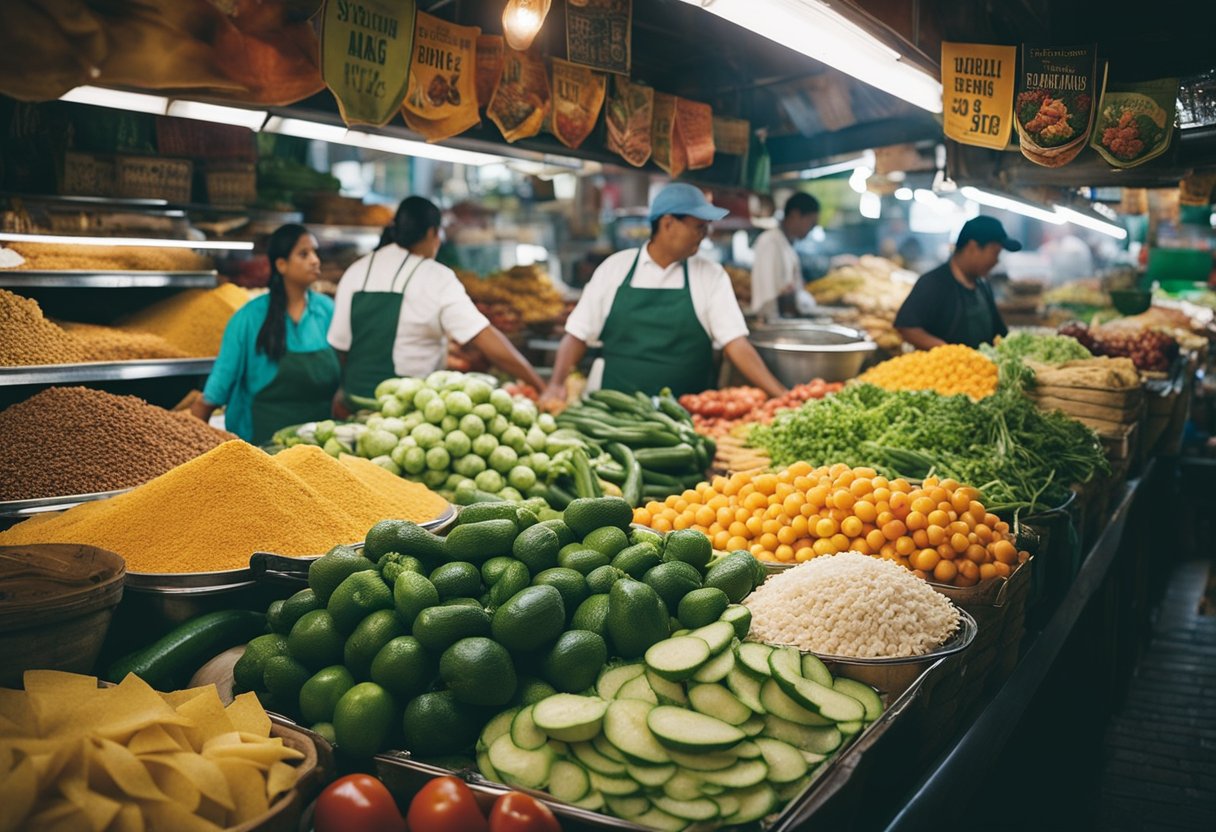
{"type": "Point", "coordinates": [56, 257]}
{"type": "Point", "coordinates": [718, 412]}
{"type": "Point", "coordinates": [1078, 295]}
{"type": "Point", "coordinates": [875, 287]}
{"type": "Point", "coordinates": [950, 369]}
{"type": "Point", "coordinates": [940, 528]}
{"type": "Point", "coordinates": [74, 440]}
{"type": "Point", "coordinates": [79, 756]}
{"type": "Point", "coordinates": [527, 290]}
{"type": "Point", "coordinates": [1150, 350]}
{"type": "Point", "coordinates": [192, 320]}
{"type": "Point", "coordinates": [214, 511]}
{"type": "Point", "coordinates": [1021, 457]}
{"type": "Point", "coordinates": [1106, 394]}
{"type": "Point", "coordinates": [506, 608]}
{"type": "Point", "coordinates": [1044, 349]}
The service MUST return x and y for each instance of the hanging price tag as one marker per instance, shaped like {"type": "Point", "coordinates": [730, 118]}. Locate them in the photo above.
{"type": "Point", "coordinates": [365, 56]}
{"type": "Point", "coordinates": [977, 93]}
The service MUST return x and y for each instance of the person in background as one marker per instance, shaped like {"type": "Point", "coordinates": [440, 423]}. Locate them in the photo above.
{"type": "Point", "coordinates": [953, 304]}
{"type": "Point", "coordinates": [396, 309]}
{"type": "Point", "coordinates": [275, 367]}
{"type": "Point", "coordinates": [660, 310]}
{"type": "Point", "coordinates": [776, 271]}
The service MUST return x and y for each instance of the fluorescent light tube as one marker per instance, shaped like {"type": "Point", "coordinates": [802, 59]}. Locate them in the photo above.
{"type": "Point", "coordinates": [153, 242]}
{"type": "Point", "coordinates": [137, 102]}
{"type": "Point", "coordinates": [335, 134]}
{"type": "Point", "coordinates": [870, 206]}
{"type": "Point", "coordinates": [903, 194]}
{"type": "Point", "coordinates": [810, 27]}
{"type": "Point", "coordinates": [200, 111]}
{"type": "Point", "coordinates": [1092, 223]}
{"type": "Point", "coordinates": [924, 196]}
{"type": "Point", "coordinates": [1009, 204]}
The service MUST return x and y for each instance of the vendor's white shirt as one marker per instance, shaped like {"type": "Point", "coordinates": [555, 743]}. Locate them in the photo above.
{"type": "Point", "coordinates": [434, 308]}
{"type": "Point", "coordinates": [713, 298]}
{"type": "Point", "coordinates": [774, 267]}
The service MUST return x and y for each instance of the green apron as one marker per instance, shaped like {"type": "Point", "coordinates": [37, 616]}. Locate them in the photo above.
{"type": "Point", "coordinates": [653, 339]}
{"type": "Point", "coordinates": [974, 323]}
{"type": "Point", "coordinates": [302, 391]}
{"type": "Point", "coordinates": [373, 323]}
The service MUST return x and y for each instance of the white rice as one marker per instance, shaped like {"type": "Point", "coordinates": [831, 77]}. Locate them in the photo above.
{"type": "Point", "coordinates": [851, 605]}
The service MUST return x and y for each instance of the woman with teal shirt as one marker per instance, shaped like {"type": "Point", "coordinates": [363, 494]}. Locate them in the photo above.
{"type": "Point", "coordinates": [275, 367]}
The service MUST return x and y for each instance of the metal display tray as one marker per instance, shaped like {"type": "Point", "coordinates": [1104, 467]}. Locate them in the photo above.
{"type": "Point", "coordinates": [22, 508]}
{"type": "Point", "coordinates": [104, 371]}
{"type": "Point", "coordinates": [100, 279]}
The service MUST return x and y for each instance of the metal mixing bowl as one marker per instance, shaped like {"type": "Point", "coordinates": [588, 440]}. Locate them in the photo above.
{"type": "Point", "coordinates": [798, 353]}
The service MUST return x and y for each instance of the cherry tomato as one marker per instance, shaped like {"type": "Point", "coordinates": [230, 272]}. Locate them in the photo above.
{"type": "Point", "coordinates": [518, 812]}
{"type": "Point", "coordinates": [357, 803]}
{"type": "Point", "coordinates": [446, 804]}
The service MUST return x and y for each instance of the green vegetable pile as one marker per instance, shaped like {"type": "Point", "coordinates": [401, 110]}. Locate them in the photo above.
{"type": "Point", "coordinates": [1019, 457]}
{"type": "Point", "coordinates": [1046, 349]}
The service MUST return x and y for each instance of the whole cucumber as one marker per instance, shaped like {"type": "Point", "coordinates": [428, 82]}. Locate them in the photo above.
{"type": "Point", "coordinates": [170, 661]}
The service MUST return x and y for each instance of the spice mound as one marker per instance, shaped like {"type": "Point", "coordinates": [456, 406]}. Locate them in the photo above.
{"type": "Point", "coordinates": [73, 440]}
{"type": "Point", "coordinates": [851, 605]}
{"type": "Point", "coordinates": [193, 320]}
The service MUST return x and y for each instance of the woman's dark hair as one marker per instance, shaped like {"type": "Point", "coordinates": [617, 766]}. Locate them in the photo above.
{"type": "Point", "coordinates": [415, 217]}
{"type": "Point", "coordinates": [272, 337]}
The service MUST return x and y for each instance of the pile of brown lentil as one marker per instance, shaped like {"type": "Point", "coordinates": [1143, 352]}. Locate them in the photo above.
{"type": "Point", "coordinates": [73, 440]}
{"type": "Point", "coordinates": [27, 337]}
{"type": "Point", "coordinates": [105, 343]}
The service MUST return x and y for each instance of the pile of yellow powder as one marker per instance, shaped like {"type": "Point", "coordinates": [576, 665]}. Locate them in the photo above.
{"type": "Point", "coordinates": [192, 320]}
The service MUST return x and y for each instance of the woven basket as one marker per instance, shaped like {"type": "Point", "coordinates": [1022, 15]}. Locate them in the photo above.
{"type": "Point", "coordinates": [152, 177]}
{"type": "Point", "coordinates": [234, 184]}
{"type": "Point", "coordinates": [86, 174]}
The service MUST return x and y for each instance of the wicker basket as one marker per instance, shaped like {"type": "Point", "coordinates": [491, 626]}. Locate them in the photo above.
{"type": "Point", "coordinates": [152, 177]}
{"type": "Point", "coordinates": [86, 174]}
{"type": "Point", "coordinates": [231, 184]}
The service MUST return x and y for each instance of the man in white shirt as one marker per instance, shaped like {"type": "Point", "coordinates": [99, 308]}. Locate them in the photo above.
{"type": "Point", "coordinates": [775, 268]}
{"type": "Point", "coordinates": [660, 311]}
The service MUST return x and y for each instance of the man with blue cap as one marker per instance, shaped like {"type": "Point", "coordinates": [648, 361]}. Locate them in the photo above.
{"type": "Point", "coordinates": [659, 311]}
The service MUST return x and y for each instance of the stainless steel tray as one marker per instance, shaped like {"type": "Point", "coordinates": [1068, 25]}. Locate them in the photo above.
{"type": "Point", "coordinates": [99, 279]}
{"type": "Point", "coordinates": [104, 371]}
{"type": "Point", "coordinates": [22, 508]}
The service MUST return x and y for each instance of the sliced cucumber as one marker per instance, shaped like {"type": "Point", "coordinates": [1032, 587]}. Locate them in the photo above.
{"type": "Point", "coordinates": [775, 701]}
{"type": "Point", "coordinates": [745, 773]}
{"type": "Point", "coordinates": [785, 763]}
{"type": "Point", "coordinates": [745, 687]}
{"type": "Point", "coordinates": [700, 809]}
{"type": "Point", "coordinates": [703, 762]}
{"type": "Point", "coordinates": [789, 791]}
{"type": "Point", "coordinates": [863, 693]}
{"type": "Point", "coordinates": [625, 726]}
{"type": "Point", "coordinates": [519, 766]}
{"type": "Point", "coordinates": [486, 767]}
{"type": "Point", "coordinates": [728, 804]}
{"type": "Point", "coordinates": [627, 807]}
{"type": "Point", "coordinates": [613, 786]}
{"type": "Point", "coordinates": [690, 731]}
{"type": "Point", "coordinates": [851, 727]}
{"type": "Point", "coordinates": [639, 689]}
{"type": "Point", "coordinates": [754, 727]}
{"type": "Point", "coordinates": [825, 701]}
{"type": "Point", "coordinates": [785, 660]}
{"type": "Point", "coordinates": [650, 776]}
{"type": "Point", "coordinates": [684, 785]}
{"type": "Point", "coordinates": [755, 657]}
{"type": "Point", "coordinates": [602, 745]}
{"type": "Point", "coordinates": [569, 717]}
{"type": "Point", "coordinates": [717, 701]}
{"type": "Point", "coordinates": [820, 739]}
{"type": "Point", "coordinates": [568, 781]}
{"type": "Point", "coordinates": [589, 757]}
{"type": "Point", "coordinates": [718, 636]}
{"type": "Point", "coordinates": [712, 789]}
{"type": "Point", "coordinates": [593, 802]}
{"type": "Point", "coordinates": [739, 617]}
{"type": "Point", "coordinates": [496, 727]}
{"type": "Point", "coordinates": [524, 732]}
{"type": "Point", "coordinates": [815, 670]}
{"type": "Point", "coordinates": [612, 678]}
{"type": "Point", "coordinates": [561, 749]}
{"type": "Point", "coordinates": [754, 803]}
{"type": "Point", "coordinates": [812, 759]}
{"type": "Point", "coordinates": [717, 668]}
{"type": "Point", "coordinates": [660, 820]}
{"type": "Point", "coordinates": [747, 750]}
{"type": "Point", "coordinates": [668, 693]}
{"type": "Point", "coordinates": [677, 659]}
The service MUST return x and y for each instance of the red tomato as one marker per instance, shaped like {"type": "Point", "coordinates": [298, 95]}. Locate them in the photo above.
{"type": "Point", "coordinates": [518, 812]}
{"type": "Point", "coordinates": [357, 803]}
{"type": "Point", "coordinates": [446, 804]}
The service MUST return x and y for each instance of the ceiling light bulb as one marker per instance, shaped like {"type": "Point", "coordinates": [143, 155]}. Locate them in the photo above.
{"type": "Point", "coordinates": [521, 21]}
{"type": "Point", "coordinates": [903, 194]}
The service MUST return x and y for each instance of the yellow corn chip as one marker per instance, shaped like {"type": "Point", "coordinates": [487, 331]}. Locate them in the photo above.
{"type": "Point", "coordinates": [58, 815]}
{"type": "Point", "coordinates": [171, 816]}
{"type": "Point", "coordinates": [170, 780]}
{"type": "Point", "coordinates": [212, 811]}
{"type": "Point", "coordinates": [248, 790]}
{"type": "Point", "coordinates": [262, 754]}
{"type": "Point", "coordinates": [127, 771]}
{"type": "Point", "coordinates": [97, 809]}
{"type": "Point", "coordinates": [178, 698]}
{"type": "Point", "coordinates": [58, 683]}
{"type": "Point", "coordinates": [154, 740]}
{"type": "Point", "coordinates": [222, 740]}
{"type": "Point", "coordinates": [18, 791]}
{"type": "Point", "coordinates": [248, 716]}
{"type": "Point", "coordinates": [202, 773]}
{"type": "Point", "coordinates": [207, 716]}
{"type": "Point", "coordinates": [178, 734]}
{"type": "Point", "coordinates": [16, 718]}
{"type": "Point", "coordinates": [128, 819]}
{"type": "Point", "coordinates": [59, 763]}
{"type": "Point", "coordinates": [281, 778]}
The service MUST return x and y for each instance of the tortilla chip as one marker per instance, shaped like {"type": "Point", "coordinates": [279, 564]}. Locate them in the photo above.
{"type": "Point", "coordinates": [176, 785]}
{"type": "Point", "coordinates": [128, 819]}
{"type": "Point", "coordinates": [208, 718]}
{"type": "Point", "coordinates": [127, 771]}
{"type": "Point", "coordinates": [248, 716]}
{"type": "Point", "coordinates": [248, 790]}
{"type": "Point", "coordinates": [281, 778]}
{"type": "Point", "coordinates": [16, 717]}
{"type": "Point", "coordinates": [212, 811]}
{"type": "Point", "coordinates": [58, 815]}
{"type": "Point", "coordinates": [177, 698]}
{"type": "Point", "coordinates": [97, 809]}
{"type": "Point", "coordinates": [263, 753]}
{"type": "Point", "coordinates": [18, 792]}
{"type": "Point", "coordinates": [172, 816]}
{"type": "Point", "coordinates": [155, 740]}
{"type": "Point", "coordinates": [202, 773]}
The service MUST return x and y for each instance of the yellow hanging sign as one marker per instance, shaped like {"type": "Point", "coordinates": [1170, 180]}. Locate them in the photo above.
{"type": "Point", "coordinates": [977, 93]}
{"type": "Point", "coordinates": [365, 56]}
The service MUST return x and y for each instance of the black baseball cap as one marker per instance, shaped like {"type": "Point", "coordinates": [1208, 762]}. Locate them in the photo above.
{"type": "Point", "coordinates": [985, 230]}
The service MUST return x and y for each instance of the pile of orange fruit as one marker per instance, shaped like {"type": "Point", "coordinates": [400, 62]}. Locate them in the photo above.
{"type": "Point", "coordinates": [949, 369]}
{"type": "Point", "coordinates": [938, 529]}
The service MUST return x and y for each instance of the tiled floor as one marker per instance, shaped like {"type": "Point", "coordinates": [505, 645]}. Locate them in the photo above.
{"type": "Point", "coordinates": [1160, 749]}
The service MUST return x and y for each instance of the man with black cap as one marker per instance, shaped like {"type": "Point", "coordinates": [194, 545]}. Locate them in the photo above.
{"type": "Point", "coordinates": [660, 310]}
{"type": "Point", "coordinates": [953, 304]}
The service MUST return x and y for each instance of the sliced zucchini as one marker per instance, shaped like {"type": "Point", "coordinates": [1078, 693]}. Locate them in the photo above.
{"type": "Point", "coordinates": [667, 692]}
{"type": "Point", "coordinates": [739, 617]}
{"type": "Point", "coordinates": [650, 776]}
{"type": "Point", "coordinates": [684, 785]}
{"type": "Point", "coordinates": [754, 727]}
{"type": "Point", "coordinates": [754, 803]}
{"type": "Point", "coordinates": [639, 689]}
{"type": "Point", "coordinates": [717, 701]}
{"type": "Point", "coordinates": [625, 806]}
{"type": "Point", "coordinates": [825, 701]}
{"type": "Point", "coordinates": [863, 693]}
{"type": "Point", "coordinates": [612, 678]}
{"type": "Point", "coordinates": [820, 739]}
{"type": "Point", "coordinates": [591, 758]}
{"type": "Point", "coordinates": [568, 781]}
{"type": "Point", "coordinates": [613, 786]}
{"type": "Point", "coordinates": [496, 727]}
{"type": "Point", "coordinates": [660, 820]}
{"type": "Point", "coordinates": [602, 745]}
{"type": "Point", "coordinates": [717, 668]}
{"type": "Point", "coordinates": [690, 731]}
{"type": "Point", "coordinates": [815, 670]}
{"type": "Point", "coordinates": [785, 763]}
{"type": "Point", "coordinates": [755, 657]}
{"type": "Point", "coordinates": [728, 804]}
{"type": "Point", "coordinates": [746, 773]}
{"type": "Point", "coordinates": [593, 802]}
{"type": "Point", "coordinates": [524, 732]}
{"type": "Point", "coordinates": [519, 766]}
{"type": "Point", "coordinates": [569, 717]}
{"type": "Point", "coordinates": [703, 762]}
{"type": "Point", "coordinates": [625, 726]}
{"type": "Point", "coordinates": [700, 809]}
{"type": "Point", "coordinates": [745, 687]}
{"type": "Point", "coordinates": [775, 701]}
{"type": "Point", "coordinates": [717, 635]}
{"type": "Point", "coordinates": [677, 659]}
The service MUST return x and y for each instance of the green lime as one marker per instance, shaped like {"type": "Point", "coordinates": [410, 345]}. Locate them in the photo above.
{"type": "Point", "coordinates": [637, 618]}
{"type": "Point", "coordinates": [702, 606]}
{"type": "Point", "coordinates": [436, 723]}
{"type": "Point", "coordinates": [478, 671]}
{"type": "Point", "coordinates": [412, 593]}
{"type": "Point", "coordinates": [610, 540]}
{"type": "Point", "coordinates": [637, 560]}
{"type": "Point", "coordinates": [531, 690]}
{"type": "Point", "coordinates": [303, 601]}
{"type": "Point", "coordinates": [592, 615]}
{"type": "Point", "coordinates": [462, 602]}
{"type": "Point", "coordinates": [283, 676]}
{"type": "Point", "coordinates": [478, 542]}
{"type": "Point", "coordinates": [537, 547]}
{"type": "Point", "coordinates": [274, 617]}
{"type": "Point", "coordinates": [564, 536]}
{"type": "Point", "coordinates": [531, 619]}
{"type": "Point", "coordinates": [405, 538]}
{"type": "Point", "coordinates": [456, 580]}
{"type": "Point", "coordinates": [602, 578]}
{"type": "Point", "coordinates": [363, 719]}
{"type": "Point", "coordinates": [438, 628]}
{"type": "Point", "coordinates": [689, 546]}
{"type": "Point", "coordinates": [315, 640]}
{"type": "Point", "coordinates": [372, 633]}
{"type": "Point", "coordinates": [320, 694]}
{"type": "Point", "coordinates": [582, 561]}
{"type": "Point", "coordinates": [357, 597]}
{"type": "Point", "coordinates": [479, 512]}
{"type": "Point", "coordinates": [733, 575]}
{"type": "Point", "coordinates": [574, 662]}
{"type": "Point", "coordinates": [640, 534]}
{"type": "Point", "coordinates": [325, 730]}
{"type": "Point", "coordinates": [587, 514]}
{"type": "Point", "coordinates": [247, 673]}
{"type": "Point", "coordinates": [525, 518]}
{"type": "Point", "coordinates": [513, 579]}
{"type": "Point", "coordinates": [334, 567]}
{"type": "Point", "coordinates": [394, 563]}
{"type": "Point", "coordinates": [492, 569]}
{"type": "Point", "coordinates": [403, 667]}
{"type": "Point", "coordinates": [571, 584]}
{"type": "Point", "coordinates": [673, 580]}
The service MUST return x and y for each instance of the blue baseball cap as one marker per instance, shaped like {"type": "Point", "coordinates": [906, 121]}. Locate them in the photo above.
{"type": "Point", "coordinates": [687, 200]}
